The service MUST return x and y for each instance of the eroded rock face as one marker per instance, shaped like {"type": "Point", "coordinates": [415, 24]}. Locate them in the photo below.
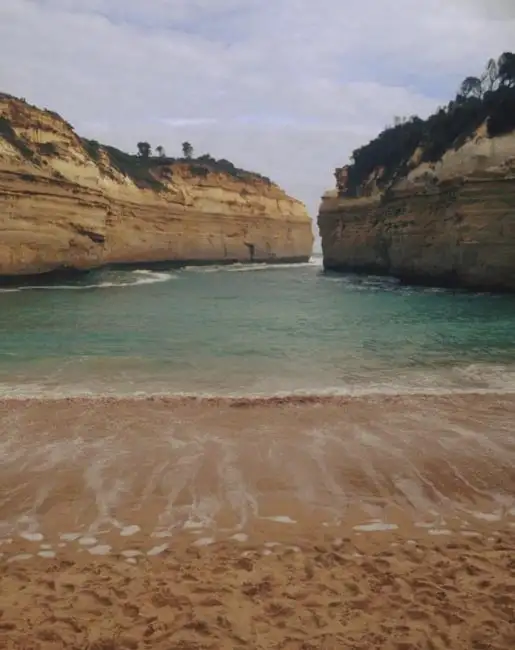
{"type": "Point", "coordinates": [450, 224]}
{"type": "Point", "coordinates": [62, 207]}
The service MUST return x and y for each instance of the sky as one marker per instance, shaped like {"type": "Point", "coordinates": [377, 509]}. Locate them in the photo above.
{"type": "Point", "coordinates": [287, 88]}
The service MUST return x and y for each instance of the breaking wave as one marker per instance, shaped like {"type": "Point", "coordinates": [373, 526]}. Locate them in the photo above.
{"type": "Point", "coordinates": [470, 379]}
{"type": "Point", "coordinates": [142, 277]}
{"type": "Point", "coordinates": [240, 267]}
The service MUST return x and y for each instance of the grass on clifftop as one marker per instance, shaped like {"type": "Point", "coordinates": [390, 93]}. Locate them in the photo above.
{"type": "Point", "coordinates": [489, 98]}
{"type": "Point", "coordinates": [146, 171]}
{"type": "Point", "coordinates": [9, 134]}
{"type": "Point", "coordinates": [134, 167]}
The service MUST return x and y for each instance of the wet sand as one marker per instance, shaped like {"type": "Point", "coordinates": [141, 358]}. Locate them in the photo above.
{"type": "Point", "coordinates": [284, 523]}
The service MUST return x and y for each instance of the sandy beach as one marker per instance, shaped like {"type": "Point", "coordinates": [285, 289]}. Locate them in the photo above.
{"type": "Point", "coordinates": [301, 522]}
{"type": "Point", "coordinates": [394, 594]}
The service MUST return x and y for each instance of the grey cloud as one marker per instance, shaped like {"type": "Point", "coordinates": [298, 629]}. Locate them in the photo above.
{"type": "Point", "coordinates": [287, 88]}
{"type": "Point", "coordinates": [492, 9]}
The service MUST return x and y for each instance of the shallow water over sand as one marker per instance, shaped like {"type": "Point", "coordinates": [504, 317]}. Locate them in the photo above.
{"type": "Point", "coordinates": [107, 471]}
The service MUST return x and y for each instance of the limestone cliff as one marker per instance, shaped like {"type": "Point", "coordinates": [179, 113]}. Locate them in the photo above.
{"type": "Point", "coordinates": [69, 203]}
{"type": "Point", "coordinates": [450, 222]}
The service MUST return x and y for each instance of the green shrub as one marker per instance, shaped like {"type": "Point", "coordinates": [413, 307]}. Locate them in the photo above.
{"type": "Point", "coordinates": [7, 131]}
{"type": "Point", "coordinates": [138, 169]}
{"type": "Point", "coordinates": [92, 148]}
{"type": "Point", "coordinates": [490, 99]}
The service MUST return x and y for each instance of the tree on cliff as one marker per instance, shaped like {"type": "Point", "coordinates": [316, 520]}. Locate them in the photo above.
{"type": "Point", "coordinates": [471, 87]}
{"type": "Point", "coordinates": [144, 149]}
{"type": "Point", "coordinates": [187, 150]}
{"type": "Point", "coordinates": [507, 69]}
{"type": "Point", "coordinates": [490, 77]}
{"type": "Point", "coordinates": [160, 150]}
{"type": "Point", "coordinates": [488, 99]}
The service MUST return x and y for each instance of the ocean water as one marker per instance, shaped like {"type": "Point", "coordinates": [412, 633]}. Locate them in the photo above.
{"type": "Point", "coordinates": [395, 410]}
{"type": "Point", "coordinates": [251, 330]}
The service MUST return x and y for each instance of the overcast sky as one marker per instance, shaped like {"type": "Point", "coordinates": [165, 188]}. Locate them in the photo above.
{"type": "Point", "coordinates": [287, 88]}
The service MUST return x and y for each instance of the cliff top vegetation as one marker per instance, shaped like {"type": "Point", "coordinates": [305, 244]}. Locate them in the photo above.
{"type": "Point", "coordinates": [147, 168]}
{"type": "Point", "coordinates": [489, 98]}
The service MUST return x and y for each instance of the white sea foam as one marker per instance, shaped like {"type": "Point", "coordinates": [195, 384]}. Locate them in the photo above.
{"type": "Point", "coordinates": [470, 533]}
{"type": "Point", "coordinates": [236, 268]}
{"type": "Point", "coordinates": [32, 537]}
{"type": "Point", "coordinates": [457, 379]}
{"type": "Point", "coordinates": [281, 519]}
{"type": "Point", "coordinates": [375, 526]}
{"type": "Point", "coordinates": [488, 516]}
{"type": "Point", "coordinates": [248, 267]}
{"type": "Point", "coordinates": [141, 277]}
{"type": "Point", "coordinates": [157, 550]}
{"type": "Point", "coordinates": [20, 557]}
{"type": "Point", "coordinates": [128, 531]}
{"type": "Point", "coordinates": [439, 531]}
{"type": "Point", "coordinates": [203, 541]}
{"type": "Point", "coordinates": [101, 549]}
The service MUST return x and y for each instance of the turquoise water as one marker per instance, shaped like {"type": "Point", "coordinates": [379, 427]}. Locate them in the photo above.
{"type": "Point", "coordinates": [251, 330]}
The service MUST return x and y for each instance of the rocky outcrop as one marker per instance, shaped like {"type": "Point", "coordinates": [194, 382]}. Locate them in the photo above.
{"type": "Point", "coordinates": [451, 223]}
{"type": "Point", "coordinates": [68, 203]}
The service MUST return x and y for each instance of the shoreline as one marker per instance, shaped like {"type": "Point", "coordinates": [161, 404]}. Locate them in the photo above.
{"type": "Point", "coordinates": [356, 523]}
{"type": "Point", "coordinates": [70, 273]}
{"type": "Point", "coordinates": [248, 400]}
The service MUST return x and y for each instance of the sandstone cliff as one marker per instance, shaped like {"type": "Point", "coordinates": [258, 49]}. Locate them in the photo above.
{"type": "Point", "coordinates": [68, 203]}
{"type": "Point", "coordinates": [450, 222]}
